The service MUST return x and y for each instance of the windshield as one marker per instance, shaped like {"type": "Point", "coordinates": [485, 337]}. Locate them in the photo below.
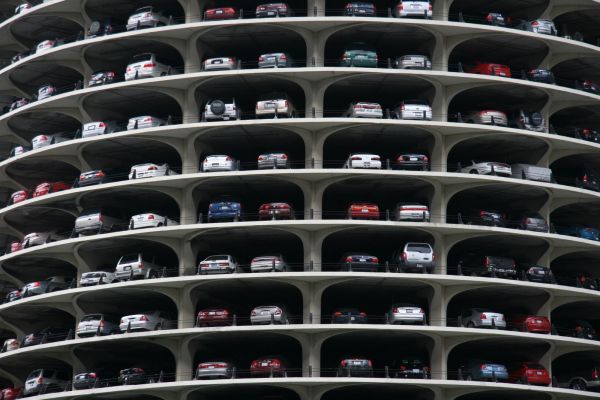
{"type": "Point", "coordinates": [143, 9]}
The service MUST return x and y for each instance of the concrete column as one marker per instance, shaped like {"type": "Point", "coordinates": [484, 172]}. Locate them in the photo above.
{"type": "Point", "coordinates": [193, 11]}
{"type": "Point", "coordinates": [437, 208]}
{"type": "Point", "coordinates": [193, 56]}
{"type": "Point", "coordinates": [437, 307]}
{"type": "Point", "coordinates": [441, 9]}
{"type": "Point", "coordinates": [439, 58]}
{"type": "Point", "coordinates": [188, 212]}
{"type": "Point", "coordinates": [185, 358]}
{"type": "Point", "coordinates": [187, 259]}
{"type": "Point", "coordinates": [438, 361]}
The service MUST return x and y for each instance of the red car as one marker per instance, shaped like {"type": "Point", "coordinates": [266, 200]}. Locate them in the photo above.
{"type": "Point", "coordinates": [531, 323]}
{"type": "Point", "coordinates": [19, 196]}
{"type": "Point", "coordinates": [531, 373]}
{"type": "Point", "coordinates": [15, 246]}
{"type": "Point", "coordinates": [275, 211]}
{"type": "Point", "coordinates": [490, 69]}
{"type": "Point", "coordinates": [363, 211]}
{"type": "Point", "coordinates": [213, 14]}
{"type": "Point", "coordinates": [264, 366]}
{"type": "Point", "coordinates": [50, 187]}
{"type": "Point", "coordinates": [10, 393]}
{"type": "Point", "coordinates": [214, 317]}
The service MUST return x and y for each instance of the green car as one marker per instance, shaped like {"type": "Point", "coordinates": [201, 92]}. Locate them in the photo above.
{"type": "Point", "coordinates": [359, 55]}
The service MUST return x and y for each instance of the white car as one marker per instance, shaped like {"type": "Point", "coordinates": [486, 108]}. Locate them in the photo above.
{"type": "Point", "coordinates": [220, 64]}
{"type": "Point", "coordinates": [215, 163]}
{"type": "Point", "coordinates": [405, 313]}
{"type": "Point", "coordinates": [144, 122]}
{"type": "Point", "coordinates": [275, 104]}
{"type": "Point", "coordinates": [46, 45]}
{"type": "Point", "coordinates": [39, 238]}
{"type": "Point", "coordinates": [218, 264]}
{"type": "Point", "coordinates": [147, 65]}
{"type": "Point", "coordinates": [364, 110]}
{"type": "Point", "coordinates": [413, 8]}
{"type": "Point", "coordinates": [543, 26]}
{"type": "Point", "coordinates": [150, 220]}
{"type": "Point", "coordinates": [18, 150]}
{"type": "Point", "coordinates": [268, 263]}
{"type": "Point", "coordinates": [46, 140]}
{"type": "Point", "coordinates": [136, 266]}
{"type": "Point", "coordinates": [363, 160]}
{"type": "Point", "coordinates": [46, 91]}
{"type": "Point", "coordinates": [146, 17]}
{"type": "Point", "coordinates": [413, 61]}
{"type": "Point", "coordinates": [219, 110]}
{"type": "Point", "coordinates": [96, 278]}
{"type": "Point", "coordinates": [487, 168]}
{"type": "Point", "coordinates": [486, 117]}
{"type": "Point", "coordinates": [44, 378]}
{"type": "Point", "coordinates": [411, 212]}
{"type": "Point", "coordinates": [150, 170]}
{"type": "Point", "coordinates": [98, 128]}
{"type": "Point", "coordinates": [21, 8]}
{"type": "Point", "coordinates": [413, 110]}
{"type": "Point", "coordinates": [146, 321]}
{"type": "Point", "coordinates": [10, 345]}
{"type": "Point", "coordinates": [97, 325]}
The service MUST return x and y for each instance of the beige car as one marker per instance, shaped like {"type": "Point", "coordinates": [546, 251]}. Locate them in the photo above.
{"type": "Point", "coordinates": [275, 105]}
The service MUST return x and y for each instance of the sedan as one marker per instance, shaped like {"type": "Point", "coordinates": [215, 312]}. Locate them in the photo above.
{"type": "Point", "coordinates": [412, 161]}
{"type": "Point", "coordinates": [264, 315]}
{"type": "Point", "coordinates": [275, 211]}
{"type": "Point", "coordinates": [478, 370]}
{"type": "Point", "coordinates": [482, 318]}
{"type": "Point", "coordinates": [215, 370]}
{"type": "Point", "coordinates": [413, 61]}
{"type": "Point", "coordinates": [102, 78]}
{"type": "Point", "coordinates": [132, 376]}
{"type": "Point", "coordinates": [220, 64]}
{"type": "Point", "coordinates": [10, 345]}
{"type": "Point", "coordinates": [536, 273]}
{"type": "Point", "coordinates": [273, 10]}
{"type": "Point", "coordinates": [486, 168]}
{"type": "Point", "coordinates": [19, 196]}
{"type": "Point", "coordinates": [268, 366]}
{"type": "Point", "coordinates": [150, 170]}
{"type": "Point", "coordinates": [86, 380]}
{"type": "Point", "coordinates": [216, 163]}
{"type": "Point", "coordinates": [40, 141]}
{"type": "Point", "coordinates": [364, 109]}
{"type": "Point", "coordinates": [48, 285]}
{"type": "Point", "coordinates": [531, 323]}
{"type": "Point", "coordinates": [359, 55]}
{"type": "Point", "coordinates": [145, 122]}
{"type": "Point", "coordinates": [411, 212]}
{"type": "Point", "coordinates": [414, 9]}
{"type": "Point", "coordinates": [412, 368]}
{"type": "Point", "coordinates": [530, 373]}
{"type": "Point", "coordinates": [355, 367]}
{"type": "Point", "coordinates": [360, 9]}
{"type": "Point", "coordinates": [47, 45]}
{"type": "Point", "coordinates": [224, 210]}
{"type": "Point", "coordinates": [269, 263]}
{"type": "Point", "coordinates": [276, 105]}
{"type": "Point", "coordinates": [349, 316]}
{"type": "Point", "coordinates": [483, 68]}
{"type": "Point", "coordinates": [96, 278]}
{"type": "Point", "coordinates": [584, 330]}
{"type": "Point", "coordinates": [541, 75]}
{"type": "Point", "coordinates": [46, 91]}
{"type": "Point", "coordinates": [359, 262]}
{"type": "Point", "coordinates": [275, 60]}
{"type": "Point", "coordinates": [150, 220]}
{"type": "Point", "coordinates": [214, 14]}
{"type": "Point", "coordinates": [146, 321]}
{"type": "Point", "coordinates": [363, 211]}
{"type": "Point", "coordinates": [99, 128]}
{"type": "Point", "coordinates": [532, 221]}
{"type": "Point", "coordinates": [273, 160]}
{"type": "Point", "coordinates": [218, 264]}
{"type": "Point", "coordinates": [487, 218]}
{"type": "Point", "coordinates": [413, 110]}
{"type": "Point", "coordinates": [214, 316]}
{"type": "Point", "coordinates": [91, 178]}
{"type": "Point", "coordinates": [50, 187]}
{"type": "Point", "coordinates": [13, 295]}
{"type": "Point", "coordinates": [543, 26]}
{"type": "Point", "coordinates": [407, 313]}
{"type": "Point", "coordinates": [363, 161]}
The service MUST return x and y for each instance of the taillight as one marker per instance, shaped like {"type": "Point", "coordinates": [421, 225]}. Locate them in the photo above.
{"type": "Point", "coordinates": [261, 158]}
{"type": "Point", "coordinates": [151, 217]}
{"type": "Point", "coordinates": [284, 156]}
{"type": "Point", "coordinates": [535, 23]}
{"type": "Point", "coordinates": [375, 260]}
{"type": "Point", "coordinates": [595, 374]}
{"type": "Point", "coordinates": [147, 15]}
{"type": "Point", "coordinates": [101, 324]}
{"type": "Point", "coordinates": [349, 259]}
{"type": "Point", "coordinates": [432, 256]}
{"type": "Point", "coordinates": [253, 313]}
{"type": "Point", "coordinates": [101, 125]}
{"type": "Point", "coordinates": [261, 58]}
{"type": "Point", "coordinates": [430, 7]}
{"type": "Point", "coordinates": [585, 178]}
{"type": "Point", "coordinates": [278, 311]}
{"type": "Point", "coordinates": [402, 107]}
{"type": "Point", "coordinates": [482, 316]}
{"type": "Point", "coordinates": [356, 158]}
{"type": "Point", "coordinates": [228, 158]}
{"type": "Point", "coordinates": [286, 103]}
{"type": "Point", "coordinates": [421, 311]}
{"type": "Point", "coordinates": [36, 284]}
{"type": "Point", "coordinates": [92, 375]}
{"type": "Point", "coordinates": [144, 318]}
{"type": "Point", "coordinates": [283, 57]}
{"type": "Point", "coordinates": [343, 363]}
{"type": "Point", "coordinates": [362, 314]}
{"type": "Point", "coordinates": [486, 261]}
{"type": "Point", "coordinates": [337, 313]}
{"type": "Point", "coordinates": [149, 65]}
{"type": "Point", "coordinates": [482, 366]}
{"type": "Point", "coordinates": [43, 137]}
{"type": "Point", "coordinates": [275, 363]}
{"type": "Point", "coordinates": [369, 363]}
{"type": "Point", "coordinates": [375, 158]}
{"type": "Point", "coordinates": [425, 158]}
{"type": "Point", "coordinates": [404, 256]}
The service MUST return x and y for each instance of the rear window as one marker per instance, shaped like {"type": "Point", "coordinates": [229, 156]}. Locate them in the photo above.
{"type": "Point", "coordinates": [143, 9]}
{"type": "Point", "coordinates": [273, 96]}
{"type": "Point", "coordinates": [216, 258]}
{"type": "Point", "coordinates": [34, 374]}
{"type": "Point", "coordinates": [86, 213]}
{"type": "Point", "coordinates": [129, 258]}
{"type": "Point", "coordinates": [48, 373]}
{"type": "Point", "coordinates": [417, 102]}
{"type": "Point", "coordinates": [141, 58]}
{"type": "Point", "coordinates": [91, 317]}
{"type": "Point", "coordinates": [534, 366]}
{"type": "Point", "coordinates": [419, 248]}
{"type": "Point", "coordinates": [501, 261]}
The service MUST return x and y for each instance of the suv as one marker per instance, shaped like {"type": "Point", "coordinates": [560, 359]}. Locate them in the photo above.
{"type": "Point", "coordinates": [147, 65]}
{"type": "Point", "coordinates": [146, 17]}
{"type": "Point", "coordinates": [97, 325]}
{"type": "Point", "coordinates": [532, 121]}
{"type": "Point", "coordinates": [415, 257]}
{"type": "Point", "coordinates": [485, 265]}
{"type": "Point", "coordinates": [49, 379]}
{"type": "Point", "coordinates": [219, 110]}
{"type": "Point", "coordinates": [97, 221]}
{"type": "Point", "coordinates": [136, 266]}
{"type": "Point", "coordinates": [532, 221]}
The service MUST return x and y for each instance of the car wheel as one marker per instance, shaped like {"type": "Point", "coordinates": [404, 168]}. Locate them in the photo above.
{"type": "Point", "coordinates": [468, 378]}
{"type": "Point", "coordinates": [470, 324]}
{"type": "Point", "coordinates": [474, 172]}
{"type": "Point", "coordinates": [158, 327]}
{"type": "Point", "coordinates": [578, 385]}
{"type": "Point", "coordinates": [160, 224]}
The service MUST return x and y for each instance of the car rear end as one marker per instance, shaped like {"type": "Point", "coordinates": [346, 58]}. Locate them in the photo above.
{"type": "Point", "coordinates": [349, 316]}
{"type": "Point", "coordinates": [142, 17]}
{"type": "Point", "coordinates": [364, 161]}
{"type": "Point", "coordinates": [264, 315]}
{"type": "Point", "coordinates": [537, 324]}
{"type": "Point", "coordinates": [32, 339]}
{"type": "Point", "coordinates": [541, 75]}
{"type": "Point", "coordinates": [148, 170]}
{"type": "Point", "coordinates": [413, 61]}
{"type": "Point", "coordinates": [216, 163]}
{"type": "Point", "coordinates": [90, 178]}
{"type": "Point", "coordinates": [360, 262]}
{"type": "Point", "coordinates": [146, 220]}
{"type": "Point", "coordinates": [10, 394]}
{"type": "Point", "coordinates": [364, 211]}
{"type": "Point", "coordinates": [102, 78]}
{"type": "Point", "coordinates": [538, 273]}
{"type": "Point", "coordinates": [272, 10]}
{"type": "Point", "coordinates": [412, 368]}
{"type": "Point", "coordinates": [495, 19]}
{"type": "Point", "coordinates": [503, 267]}
{"type": "Point", "coordinates": [33, 289]}
{"type": "Point", "coordinates": [543, 26]}
{"type": "Point", "coordinates": [224, 210]}
{"type": "Point", "coordinates": [141, 66]}
{"type": "Point", "coordinates": [275, 211]}
{"type": "Point", "coordinates": [94, 129]}
{"type": "Point", "coordinates": [415, 110]}
{"type": "Point", "coordinates": [20, 9]}
{"type": "Point", "coordinates": [491, 319]}
{"type": "Point", "coordinates": [13, 295]}
{"type": "Point", "coordinates": [267, 264]}
{"type": "Point", "coordinates": [272, 107]}
{"type": "Point", "coordinates": [405, 313]}
{"type": "Point", "coordinates": [46, 91]}
{"type": "Point", "coordinates": [500, 169]}
{"type": "Point", "coordinates": [130, 266]}
{"type": "Point", "coordinates": [536, 374]}
{"type": "Point", "coordinates": [367, 110]}
{"type": "Point", "coordinates": [588, 181]}
{"type": "Point", "coordinates": [137, 322]}
{"type": "Point", "coordinates": [273, 160]}
{"type": "Point", "coordinates": [89, 223]}
{"type": "Point", "coordinates": [214, 317]}
{"type": "Point", "coordinates": [215, 14]}
{"type": "Point", "coordinates": [491, 371]}
{"type": "Point", "coordinates": [534, 222]}
{"type": "Point", "coordinates": [359, 58]}
{"type": "Point", "coordinates": [19, 196]}
{"type": "Point", "coordinates": [412, 212]}
{"type": "Point", "coordinates": [49, 187]}
{"type": "Point", "coordinates": [220, 64]}
{"type": "Point", "coordinates": [355, 367]}
{"type": "Point", "coordinates": [490, 218]}
{"type": "Point", "coordinates": [497, 70]}
{"type": "Point", "coordinates": [92, 278]}
{"type": "Point", "coordinates": [214, 370]}
{"type": "Point", "coordinates": [86, 380]}
{"type": "Point", "coordinates": [360, 9]}
{"type": "Point", "coordinates": [417, 257]}
{"type": "Point", "coordinates": [46, 45]}
{"type": "Point", "coordinates": [219, 110]}
{"type": "Point", "coordinates": [414, 9]}
{"type": "Point", "coordinates": [492, 117]}
{"type": "Point", "coordinates": [144, 122]}
{"type": "Point", "coordinates": [219, 264]}
{"type": "Point", "coordinates": [132, 376]}
{"type": "Point", "coordinates": [267, 366]}
{"type": "Point", "coordinates": [40, 141]}
{"type": "Point", "coordinates": [34, 239]}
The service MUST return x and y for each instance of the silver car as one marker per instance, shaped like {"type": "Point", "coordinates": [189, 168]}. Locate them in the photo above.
{"type": "Point", "coordinates": [96, 278]}
{"type": "Point", "coordinates": [273, 160]}
{"type": "Point", "coordinates": [275, 60]}
{"type": "Point", "coordinates": [413, 110]}
{"type": "Point", "coordinates": [218, 264]}
{"type": "Point", "coordinates": [46, 140]}
{"type": "Point", "coordinates": [215, 370]}
{"type": "Point", "coordinates": [264, 315]}
{"type": "Point", "coordinates": [406, 313]}
{"type": "Point", "coordinates": [275, 104]}
{"type": "Point", "coordinates": [486, 117]}
{"type": "Point", "coordinates": [146, 17]}
{"type": "Point", "coordinates": [531, 172]}
{"type": "Point", "coordinates": [136, 266]}
{"type": "Point", "coordinates": [145, 122]}
{"type": "Point", "coordinates": [39, 238]}
{"type": "Point", "coordinates": [220, 64]}
{"type": "Point", "coordinates": [49, 379]}
{"type": "Point", "coordinates": [48, 285]}
{"type": "Point", "coordinates": [148, 65]}
{"type": "Point", "coordinates": [486, 168]}
{"type": "Point", "coordinates": [413, 61]}
{"type": "Point", "coordinates": [97, 325]}
{"type": "Point", "coordinates": [219, 110]}
{"type": "Point", "coordinates": [99, 128]}
{"type": "Point", "coordinates": [146, 321]}
{"type": "Point", "coordinates": [482, 318]}
{"type": "Point", "coordinates": [96, 221]}
{"type": "Point", "coordinates": [363, 109]}
{"type": "Point", "coordinates": [416, 257]}
{"type": "Point", "coordinates": [268, 263]}
{"type": "Point", "coordinates": [543, 26]}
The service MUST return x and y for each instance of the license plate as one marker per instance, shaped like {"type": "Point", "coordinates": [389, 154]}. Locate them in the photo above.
{"type": "Point", "coordinates": [415, 5]}
{"type": "Point", "coordinates": [360, 57]}
{"type": "Point", "coordinates": [538, 321]}
{"type": "Point", "coordinates": [356, 363]}
{"type": "Point", "coordinates": [214, 265]}
{"type": "Point", "coordinates": [270, 13]}
{"type": "Point", "coordinates": [409, 311]}
{"type": "Point", "coordinates": [419, 265]}
{"type": "Point", "coordinates": [270, 105]}
{"type": "Point", "coordinates": [211, 367]}
{"type": "Point", "coordinates": [361, 11]}
{"type": "Point", "coordinates": [538, 373]}
{"type": "Point", "coordinates": [264, 364]}
{"type": "Point", "coordinates": [212, 313]}
{"type": "Point", "coordinates": [215, 164]}
{"type": "Point", "coordinates": [217, 62]}
{"type": "Point", "coordinates": [414, 159]}
{"type": "Point", "coordinates": [364, 210]}
{"type": "Point", "coordinates": [264, 313]}
{"type": "Point", "coordinates": [362, 259]}
{"type": "Point", "coordinates": [219, 12]}
{"type": "Point", "coordinates": [416, 370]}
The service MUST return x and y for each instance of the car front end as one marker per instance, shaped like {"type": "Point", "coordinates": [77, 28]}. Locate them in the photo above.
{"type": "Point", "coordinates": [34, 239]}
{"type": "Point", "coordinates": [355, 367]}
{"type": "Point", "coordinates": [214, 317]}
{"type": "Point", "coordinates": [10, 345]}
{"type": "Point", "coordinates": [360, 9]}
{"type": "Point", "coordinates": [273, 161]}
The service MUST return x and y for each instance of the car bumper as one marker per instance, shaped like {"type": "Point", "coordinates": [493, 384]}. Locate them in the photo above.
{"type": "Point", "coordinates": [222, 117]}
{"type": "Point", "coordinates": [215, 321]}
{"type": "Point", "coordinates": [360, 12]}
{"type": "Point", "coordinates": [361, 266]}
{"type": "Point", "coordinates": [414, 65]}
{"type": "Point", "coordinates": [217, 168]}
{"type": "Point", "coordinates": [414, 216]}
{"type": "Point", "coordinates": [90, 182]}
{"type": "Point", "coordinates": [145, 174]}
{"type": "Point", "coordinates": [207, 269]}
{"type": "Point", "coordinates": [272, 164]}
{"type": "Point", "coordinates": [89, 282]}
{"type": "Point", "coordinates": [349, 319]}
{"type": "Point", "coordinates": [87, 332]}
{"type": "Point", "coordinates": [229, 215]}
{"type": "Point", "coordinates": [536, 228]}
{"type": "Point", "coordinates": [361, 215]}
{"type": "Point", "coordinates": [407, 318]}
{"type": "Point", "coordinates": [88, 228]}
{"type": "Point", "coordinates": [144, 224]}
{"type": "Point", "coordinates": [84, 384]}
{"type": "Point", "coordinates": [127, 274]}
{"type": "Point", "coordinates": [489, 375]}
{"type": "Point", "coordinates": [412, 375]}
{"type": "Point", "coordinates": [356, 371]}
{"type": "Point", "coordinates": [273, 64]}
{"type": "Point", "coordinates": [272, 111]}
{"type": "Point", "coordinates": [265, 319]}
{"type": "Point", "coordinates": [136, 326]}
{"type": "Point", "coordinates": [366, 164]}
{"type": "Point", "coordinates": [489, 324]}
{"type": "Point", "coordinates": [140, 74]}
{"type": "Point", "coordinates": [414, 13]}
{"type": "Point", "coordinates": [215, 373]}
{"type": "Point", "coordinates": [271, 13]}
{"type": "Point", "coordinates": [266, 267]}
{"type": "Point", "coordinates": [359, 63]}
{"type": "Point", "coordinates": [219, 67]}
{"type": "Point", "coordinates": [275, 214]}
{"type": "Point", "coordinates": [416, 115]}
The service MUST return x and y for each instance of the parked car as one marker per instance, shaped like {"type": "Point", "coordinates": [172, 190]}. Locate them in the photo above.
{"type": "Point", "coordinates": [273, 160]}
{"type": "Point", "coordinates": [49, 187]}
{"type": "Point", "coordinates": [21, 55]}
{"type": "Point", "coordinates": [578, 279]}
{"type": "Point", "coordinates": [269, 263]}
{"type": "Point", "coordinates": [48, 285]}
{"type": "Point", "coordinates": [46, 91]}
{"type": "Point", "coordinates": [11, 393]}
{"type": "Point", "coordinates": [100, 28]}
{"type": "Point", "coordinates": [275, 104]}
{"type": "Point", "coordinates": [544, 26]}
{"type": "Point", "coordinates": [486, 218]}
{"type": "Point", "coordinates": [21, 9]}
{"type": "Point", "coordinates": [482, 318]}
{"type": "Point", "coordinates": [531, 121]}
{"type": "Point", "coordinates": [47, 335]}
{"type": "Point", "coordinates": [414, 9]}
{"type": "Point", "coordinates": [150, 220]}
{"type": "Point", "coordinates": [96, 278]}
{"type": "Point", "coordinates": [220, 64]}
{"type": "Point", "coordinates": [136, 266]}
{"type": "Point", "coordinates": [145, 122]}
{"type": "Point", "coordinates": [146, 17]}
{"type": "Point", "coordinates": [13, 295]}
{"type": "Point", "coordinates": [535, 273]}
{"type": "Point", "coordinates": [412, 368]}
{"type": "Point", "coordinates": [39, 238]}
{"type": "Point", "coordinates": [483, 68]}
{"type": "Point", "coordinates": [89, 178]}
{"type": "Point", "coordinates": [590, 86]}
{"type": "Point", "coordinates": [586, 179]}
{"type": "Point", "coordinates": [363, 161]}
{"type": "Point", "coordinates": [588, 134]}
{"type": "Point", "coordinates": [580, 375]}
{"type": "Point", "coordinates": [495, 19]}
{"type": "Point", "coordinates": [96, 221]}
{"type": "Point", "coordinates": [145, 321]}
{"type": "Point", "coordinates": [486, 117]}
{"type": "Point", "coordinates": [412, 110]}
{"type": "Point", "coordinates": [532, 221]}
{"type": "Point", "coordinates": [221, 162]}
{"type": "Point", "coordinates": [363, 110]}
{"type": "Point", "coordinates": [41, 141]}
{"type": "Point", "coordinates": [218, 264]}
{"type": "Point", "coordinates": [275, 60]}
{"type": "Point", "coordinates": [214, 14]}
{"type": "Point", "coordinates": [18, 103]}
{"type": "Point", "coordinates": [486, 168]}
{"type": "Point", "coordinates": [584, 330]}
{"type": "Point", "coordinates": [276, 211]}
{"type": "Point", "coordinates": [50, 380]}
{"type": "Point", "coordinates": [19, 150]}
{"type": "Point", "coordinates": [97, 325]}
{"type": "Point", "coordinates": [360, 9]}
{"type": "Point", "coordinates": [9, 345]}
{"type": "Point", "coordinates": [488, 265]}
{"type": "Point", "coordinates": [531, 323]}
{"type": "Point", "coordinates": [363, 210]}
{"type": "Point", "coordinates": [413, 61]}
{"type": "Point", "coordinates": [15, 246]}
{"type": "Point", "coordinates": [221, 110]}
{"type": "Point", "coordinates": [532, 172]}
{"type": "Point", "coordinates": [412, 212]}
{"type": "Point", "coordinates": [349, 316]}
{"type": "Point", "coordinates": [359, 54]}
{"type": "Point", "coordinates": [359, 262]}
{"type": "Point", "coordinates": [99, 128]}
{"type": "Point", "coordinates": [148, 65]}
{"type": "Point", "coordinates": [133, 376]}
{"type": "Point", "coordinates": [269, 315]}
{"type": "Point", "coordinates": [87, 380]}
{"type": "Point", "coordinates": [102, 78]}
{"type": "Point", "coordinates": [19, 196]}
{"type": "Point", "coordinates": [214, 316]}
{"type": "Point", "coordinates": [47, 45]}
{"type": "Point", "coordinates": [411, 161]}
{"type": "Point", "coordinates": [480, 370]}
{"type": "Point", "coordinates": [541, 75]}
{"type": "Point", "coordinates": [224, 210]}
{"type": "Point", "coordinates": [580, 231]}
{"type": "Point", "coordinates": [268, 366]}
{"type": "Point", "coordinates": [150, 170]}
{"type": "Point", "coordinates": [215, 370]}
{"type": "Point", "coordinates": [406, 313]}
{"type": "Point", "coordinates": [355, 367]}
{"type": "Point", "coordinates": [415, 257]}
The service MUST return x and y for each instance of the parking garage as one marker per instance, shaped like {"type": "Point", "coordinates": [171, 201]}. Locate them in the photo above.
{"type": "Point", "coordinates": [518, 9]}
{"type": "Point", "coordinates": [571, 73]}
{"type": "Point", "coordinates": [31, 77]}
{"type": "Point", "coordinates": [23, 366]}
{"type": "Point", "coordinates": [380, 391]}
{"type": "Point", "coordinates": [33, 29]}
{"type": "Point", "coordinates": [117, 12]}
{"type": "Point", "coordinates": [571, 121]}
{"type": "Point", "coordinates": [577, 269]}
{"type": "Point", "coordinates": [42, 219]}
{"type": "Point", "coordinates": [251, 392]}
{"type": "Point", "coordinates": [581, 213]}
{"type": "Point", "coordinates": [568, 369]}
{"type": "Point", "coordinates": [32, 171]}
{"type": "Point", "coordinates": [49, 324]}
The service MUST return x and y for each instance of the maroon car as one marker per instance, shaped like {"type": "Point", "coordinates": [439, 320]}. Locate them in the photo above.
{"type": "Point", "coordinates": [531, 323]}
{"type": "Point", "coordinates": [275, 211]}
{"type": "Point", "coordinates": [10, 393]}
{"type": "Point", "coordinates": [215, 316]}
{"type": "Point", "coordinates": [265, 366]}
{"type": "Point", "coordinates": [272, 10]}
{"type": "Point", "coordinates": [214, 14]}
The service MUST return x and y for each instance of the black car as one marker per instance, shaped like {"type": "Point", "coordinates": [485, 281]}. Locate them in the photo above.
{"type": "Point", "coordinates": [541, 75]}
{"type": "Point", "coordinates": [590, 86]}
{"type": "Point", "coordinates": [535, 273]}
{"type": "Point", "coordinates": [578, 279]}
{"type": "Point", "coordinates": [486, 265]}
{"type": "Point", "coordinates": [412, 368]}
{"type": "Point", "coordinates": [360, 9]}
{"type": "Point", "coordinates": [584, 330]}
{"type": "Point", "coordinates": [359, 262]}
{"type": "Point", "coordinates": [20, 56]}
{"type": "Point", "coordinates": [588, 134]}
{"type": "Point", "coordinates": [86, 380]}
{"type": "Point", "coordinates": [495, 19]}
{"type": "Point", "coordinates": [133, 376]}
{"type": "Point", "coordinates": [89, 178]}
{"type": "Point", "coordinates": [487, 217]}
{"type": "Point", "coordinates": [46, 335]}
{"type": "Point", "coordinates": [102, 78]}
{"type": "Point", "coordinates": [349, 316]}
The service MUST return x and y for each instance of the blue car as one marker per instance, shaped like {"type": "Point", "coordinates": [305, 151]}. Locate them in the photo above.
{"type": "Point", "coordinates": [224, 210]}
{"type": "Point", "coordinates": [584, 232]}
{"type": "Point", "coordinates": [477, 370]}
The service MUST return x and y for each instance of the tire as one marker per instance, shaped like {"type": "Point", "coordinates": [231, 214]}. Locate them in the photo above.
{"type": "Point", "coordinates": [158, 327]}
{"type": "Point", "coordinates": [470, 324]}
{"type": "Point", "coordinates": [468, 378]}
{"type": "Point", "coordinates": [474, 172]}
{"type": "Point", "coordinates": [217, 107]}
{"type": "Point", "coordinates": [578, 384]}
{"type": "Point", "coordinates": [95, 28]}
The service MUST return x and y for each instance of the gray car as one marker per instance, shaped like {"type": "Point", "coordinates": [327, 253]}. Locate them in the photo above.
{"type": "Point", "coordinates": [52, 284]}
{"type": "Point", "coordinates": [275, 60]}
{"type": "Point", "coordinates": [97, 221]}
{"type": "Point", "coordinates": [482, 318]}
{"type": "Point", "coordinates": [481, 370]}
{"type": "Point", "coordinates": [532, 221]}
{"type": "Point", "coordinates": [97, 325]}
{"type": "Point", "coordinates": [264, 315]}
{"type": "Point", "coordinates": [215, 370]}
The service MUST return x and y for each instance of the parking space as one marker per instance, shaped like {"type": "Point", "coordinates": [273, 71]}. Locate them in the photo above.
{"type": "Point", "coordinates": [253, 392]}
{"type": "Point", "coordinates": [31, 268]}
{"type": "Point", "coordinates": [33, 171]}
{"type": "Point", "coordinates": [27, 125]}
{"type": "Point", "coordinates": [30, 78]}
{"type": "Point", "coordinates": [579, 25]}
{"type": "Point", "coordinates": [519, 9]}
{"type": "Point", "coordinates": [41, 219]}
{"type": "Point", "coordinates": [117, 12]}
{"type": "Point", "coordinates": [33, 29]}
{"type": "Point", "coordinates": [577, 269]}
{"type": "Point", "coordinates": [23, 366]}
{"type": "Point", "coordinates": [578, 319]}
{"type": "Point", "coordinates": [41, 322]}
{"type": "Point", "coordinates": [581, 170]}
{"type": "Point", "coordinates": [381, 391]}
{"type": "Point", "coordinates": [574, 370]}
{"type": "Point", "coordinates": [573, 72]}
{"type": "Point", "coordinates": [582, 214]}
{"type": "Point", "coordinates": [573, 120]}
